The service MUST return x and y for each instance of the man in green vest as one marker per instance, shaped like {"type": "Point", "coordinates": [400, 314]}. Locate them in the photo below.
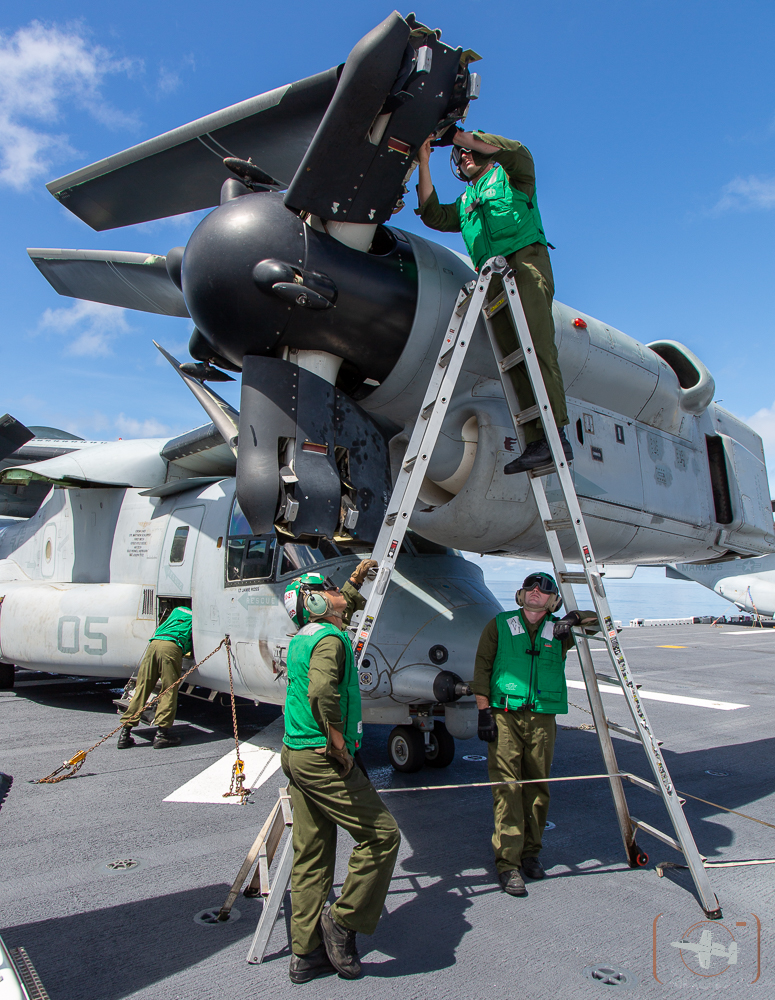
{"type": "Point", "coordinates": [329, 786]}
{"type": "Point", "coordinates": [163, 658]}
{"type": "Point", "coordinates": [519, 683]}
{"type": "Point", "coordinates": [497, 214]}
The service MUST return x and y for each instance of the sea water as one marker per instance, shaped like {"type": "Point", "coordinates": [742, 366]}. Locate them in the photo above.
{"type": "Point", "coordinates": [649, 594]}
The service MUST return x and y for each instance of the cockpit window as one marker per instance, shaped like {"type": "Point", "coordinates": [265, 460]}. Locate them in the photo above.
{"type": "Point", "coordinates": [178, 549]}
{"type": "Point", "coordinates": [248, 556]}
{"type": "Point", "coordinates": [296, 557]}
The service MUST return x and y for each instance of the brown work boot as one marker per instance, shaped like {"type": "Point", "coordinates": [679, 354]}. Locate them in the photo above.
{"type": "Point", "coordinates": [513, 883]}
{"type": "Point", "coordinates": [340, 946]}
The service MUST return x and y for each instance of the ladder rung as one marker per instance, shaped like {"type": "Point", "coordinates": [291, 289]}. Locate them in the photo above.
{"type": "Point", "coordinates": [642, 783]}
{"type": "Point", "coordinates": [572, 578]}
{"type": "Point", "coordinates": [542, 470]}
{"type": "Point", "coordinates": [525, 416]}
{"type": "Point", "coordinates": [608, 678]}
{"type": "Point", "coordinates": [463, 305]}
{"type": "Point", "coordinates": [409, 463]}
{"type": "Point", "coordinates": [511, 360]}
{"type": "Point", "coordinates": [391, 518]}
{"type": "Point", "coordinates": [624, 731]}
{"type": "Point", "coordinates": [426, 411]}
{"type": "Point", "coordinates": [495, 306]}
{"type": "Point", "coordinates": [558, 524]}
{"type": "Point", "coordinates": [445, 357]}
{"type": "Point", "coordinates": [647, 828]}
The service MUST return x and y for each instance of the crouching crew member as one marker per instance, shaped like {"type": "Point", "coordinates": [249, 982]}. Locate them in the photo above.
{"type": "Point", "coordinates": [519, 683]}
{"type": "Point", "coordinates": [497, 214]}
{"type": "Point", "coordinates": [163, 658]}
{"type": "Point", "coordinates": [328, 786]}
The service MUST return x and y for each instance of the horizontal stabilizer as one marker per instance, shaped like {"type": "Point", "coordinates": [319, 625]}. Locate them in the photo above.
{"type": "Point", "coordinates": [13, 434]}
{"type": "Point", "coordinates": [183, 170]}
{"type": "Point", "coordinates": [115, 277]}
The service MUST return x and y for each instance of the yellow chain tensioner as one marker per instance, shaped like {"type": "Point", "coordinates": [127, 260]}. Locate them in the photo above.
{"type": "Point", "coordinates": [237, 784]}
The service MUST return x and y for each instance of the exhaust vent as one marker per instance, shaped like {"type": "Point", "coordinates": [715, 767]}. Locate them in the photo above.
{"type": "Point", "coordinates": [717, 465]}
{"type": "Point", "coordinates": [697, 384]}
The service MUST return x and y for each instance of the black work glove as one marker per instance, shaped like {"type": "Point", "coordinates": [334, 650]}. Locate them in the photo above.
{"type": "Point", "coordinates": [564, 625]}
{"type": "Point", "coordinates": [487, 731]}
{"type": "Point", "coordinates": [448, 138]}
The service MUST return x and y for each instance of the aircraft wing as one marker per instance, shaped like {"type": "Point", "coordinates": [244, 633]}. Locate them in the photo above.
{"type": "Point", "coordinates": [115, 277]}
{"type": "Point", "coordinates": [182, 170]}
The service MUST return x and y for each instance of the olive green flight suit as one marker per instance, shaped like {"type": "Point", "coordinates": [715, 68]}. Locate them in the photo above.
{"type": "Point", "coordinates": [322, 801]}
{"type": "Point", "coordinates": [523, 750]}
{"type": "Point", "coordinates": [535, 281]}
{"type": "Point", "coordinates": [163, 659]}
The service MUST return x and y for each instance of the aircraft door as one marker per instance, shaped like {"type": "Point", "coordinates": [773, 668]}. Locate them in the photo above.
{"type": "Point", "coordinates": [177, 555]}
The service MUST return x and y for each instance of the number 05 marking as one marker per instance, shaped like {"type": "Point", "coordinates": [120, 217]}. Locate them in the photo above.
{"type": "Point", "coordinates": [69, 640]}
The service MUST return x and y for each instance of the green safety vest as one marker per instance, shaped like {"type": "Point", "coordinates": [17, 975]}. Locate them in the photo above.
{"type": "Point", "coordinates": [521, 679]}
{"type": "Point", "coordinates": [176, 628]}
{"type": "Point", "coordinates": [497, 218]}
{"type": "Point", "coordinates": [301, 729]}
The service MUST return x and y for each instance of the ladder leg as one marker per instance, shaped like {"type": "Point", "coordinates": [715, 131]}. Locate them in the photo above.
{"type": "Point", "coordinates": [663, 784]}
{"type": "Point", "coordinates": [272, 906]}
{"type": "Point", "coordinates": [607, 749]}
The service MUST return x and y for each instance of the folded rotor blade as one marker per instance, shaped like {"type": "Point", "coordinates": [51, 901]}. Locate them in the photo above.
{"type": "Point", "coordinates": [182, 170]}
{"type": "Point", "coordinates": [115, 277]}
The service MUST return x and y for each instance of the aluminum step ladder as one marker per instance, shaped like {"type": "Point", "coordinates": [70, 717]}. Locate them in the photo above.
{"type": "Point", "coordinates": [471, 304]}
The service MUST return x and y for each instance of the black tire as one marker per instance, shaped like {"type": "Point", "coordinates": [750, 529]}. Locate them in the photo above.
{"type": "Point", "coordinates": [6, 676]}
{"type": "Point", "coordinates": [440, 749]}
{"type": "Point", "coordinates": [406, 749]}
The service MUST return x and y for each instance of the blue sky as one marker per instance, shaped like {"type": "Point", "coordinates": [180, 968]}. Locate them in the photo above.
{"type": "Point", "coordinates": [652, 125]}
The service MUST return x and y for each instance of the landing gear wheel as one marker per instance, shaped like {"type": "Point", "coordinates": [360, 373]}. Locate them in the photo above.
{"type": "Point", "coordinates": [6, 676]}
{"type": "Point", "coordinates": [440, 749]}
{"type": "Point", "coordinates": [406, 749]}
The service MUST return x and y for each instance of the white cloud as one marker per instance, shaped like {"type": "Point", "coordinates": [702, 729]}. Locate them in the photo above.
{"type": "Point", "coordinates": [44, 69]}
{"type": "Point", "coordinates": [747, 193]}
{"type": "Point", "coordinates": [130, 427]}
{"type": "Point", "coordinates": [763, 422]}
{"type": "Point", "coordinates": [91, 327]}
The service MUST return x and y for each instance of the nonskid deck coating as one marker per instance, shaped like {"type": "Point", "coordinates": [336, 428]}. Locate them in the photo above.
{"type": "Point", "coordinates": [448, 931]}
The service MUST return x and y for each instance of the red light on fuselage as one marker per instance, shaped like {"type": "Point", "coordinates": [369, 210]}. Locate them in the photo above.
{"type": "Point", "coordinates": [581, 323]}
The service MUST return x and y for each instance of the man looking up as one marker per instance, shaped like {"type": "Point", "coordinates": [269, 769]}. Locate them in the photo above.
{"type": "Point", "coordinates": [519, 683]}
{"type": "Point", "coordinates": [498, 214]}
{"type": "Point", "coordinates": [329, 787]}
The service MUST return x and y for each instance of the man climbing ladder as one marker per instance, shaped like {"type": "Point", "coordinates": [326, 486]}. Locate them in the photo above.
{"type": "Point", "coordinates": [498, 214]}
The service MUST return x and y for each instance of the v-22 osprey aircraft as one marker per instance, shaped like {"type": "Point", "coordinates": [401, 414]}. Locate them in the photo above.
{"type": "Point", "coordinates": [333, 320]}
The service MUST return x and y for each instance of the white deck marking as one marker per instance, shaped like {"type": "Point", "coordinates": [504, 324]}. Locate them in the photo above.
{"type": "Point", "coordinates": [676, 699]}
{"type": "Point", "coordinates": [750, 631]}
{"type": "Point", "coordinates": [210, 784]}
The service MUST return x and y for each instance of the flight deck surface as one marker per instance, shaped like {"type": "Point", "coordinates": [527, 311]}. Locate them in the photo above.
{"type": "Point", "coordinates": [95, 933]}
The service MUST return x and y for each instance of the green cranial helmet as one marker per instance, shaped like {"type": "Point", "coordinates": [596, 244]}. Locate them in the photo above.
{"type": "Point", "coordinates": [304, 598]}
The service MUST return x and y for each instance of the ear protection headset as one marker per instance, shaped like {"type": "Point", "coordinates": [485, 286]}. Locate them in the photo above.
{"type": "Point", "coordinates": [314, 602]}
{"type": "Point", "coordinates": [305, 598]}
{"type": "Point", "coordinates": [546, 585]}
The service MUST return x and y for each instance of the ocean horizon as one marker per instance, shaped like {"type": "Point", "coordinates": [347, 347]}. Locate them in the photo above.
{"type": "Point", "coordinates": [649, 594]}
